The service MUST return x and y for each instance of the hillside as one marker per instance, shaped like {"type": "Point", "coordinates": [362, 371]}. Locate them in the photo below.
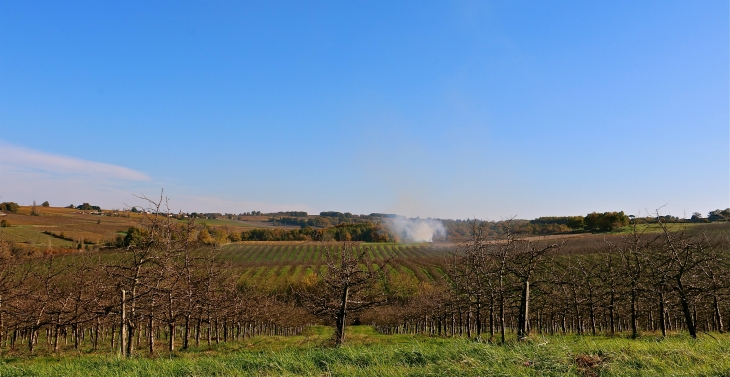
{"type": "Point", "coordinates": [68, 227]}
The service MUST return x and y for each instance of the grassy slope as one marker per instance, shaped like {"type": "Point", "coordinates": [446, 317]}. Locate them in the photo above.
{"type": "Point", "coordinates": [371, 354]}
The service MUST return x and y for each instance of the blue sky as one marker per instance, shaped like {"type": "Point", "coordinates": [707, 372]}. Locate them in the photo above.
{"type": "Point", "coordinates": [484, 109]}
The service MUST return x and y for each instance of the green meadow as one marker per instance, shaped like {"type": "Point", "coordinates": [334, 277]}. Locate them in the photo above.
{"type": "Point", "coordinates": [371, 354]}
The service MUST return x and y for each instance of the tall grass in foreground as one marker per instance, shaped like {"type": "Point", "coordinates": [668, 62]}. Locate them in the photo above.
{"type": "Point", "coordinates": [370, 354]}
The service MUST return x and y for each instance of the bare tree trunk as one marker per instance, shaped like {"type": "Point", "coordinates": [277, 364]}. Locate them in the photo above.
{"type": "Point", "coordinates": [95, 346]}
{"type": "Point", "coordinates": [340, 319]}
{"type": "Point", "coordinates": [131, 329]}
{"type": "Point", "coordinates": [491, 320]}
{"type": "Point", "coordinates": [718, 315]}
{"type": "Point", "coordinates": [592, 313]}
{"type": "Point", "coordinates": [75, 329]}
{"type": "Point", "coordinates": [611, 310]}
{"type": "Point", "coordinates": [576, 308]}
{"type": "Point", "coordinates": [522, 330]}
{"type": "Point", "coordinates": [210, 331]}
{"type": "Point", "coordinates": [31, 339]}
{"type": "Point", "coordinates": [187, 332]}
{"type": "Point", "coordinates": [691, 327]}
{"type": "Point", "coordinates": [56, 331]}
{"type": "Point", "coordinates": [171, 328]}
{"type": "Point", "coordinates": [197, 330]}
{"type": "Point", "coordinates": [151, 335]}
{"type": "Point", "coordinates": [217, 333]}
{"type": "Point", "coordinates": [479, 318]}
{"type": "Point", "coordinates": [662, 314]}
{"type": "Point", "coordinates": [468, 323]}
{"type": "Point", "coordinates": [634, 330]}
{"type": "Point", "coordinates": [501, 317]}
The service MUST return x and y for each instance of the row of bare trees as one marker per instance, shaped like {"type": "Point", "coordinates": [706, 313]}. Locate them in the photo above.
{"type": "Point", "coordinates": [651, 279]}
{"type": "Point", "coordinates": [162, 285]}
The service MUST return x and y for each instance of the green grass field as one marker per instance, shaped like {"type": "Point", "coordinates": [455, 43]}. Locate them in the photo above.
{"type": "Point", "coordinates": [33, 235]}
{"type": "Point", "coordinates": [370, 354]}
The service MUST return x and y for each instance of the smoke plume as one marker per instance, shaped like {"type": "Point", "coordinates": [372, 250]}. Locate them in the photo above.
{"type": "Point", "coordinates": [416, 230]}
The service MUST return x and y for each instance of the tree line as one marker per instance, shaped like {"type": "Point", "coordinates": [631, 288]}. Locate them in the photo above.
{"type": "Point", "coordinates": [361, 232]}
{"type": "Point", "coordinates": [595, 222]}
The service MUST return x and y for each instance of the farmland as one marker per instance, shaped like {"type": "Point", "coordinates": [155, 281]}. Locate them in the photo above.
{"type": "Point", "coordinates": [66, 227]}
{"type": "Point", "coordinates": [180, 295]}
{"type": "Point", "coordinates": [275, 265]}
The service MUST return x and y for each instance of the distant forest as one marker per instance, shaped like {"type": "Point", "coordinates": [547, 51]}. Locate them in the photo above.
{"type": "Point", "coordinates": [336, 226]}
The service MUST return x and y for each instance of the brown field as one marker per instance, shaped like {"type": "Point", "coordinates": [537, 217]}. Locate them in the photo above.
{"type": "Point", "coordinates": [70, 226]}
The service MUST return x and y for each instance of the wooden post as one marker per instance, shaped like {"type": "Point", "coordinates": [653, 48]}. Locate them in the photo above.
{"type": "Point", "coordinates": [123, 327]}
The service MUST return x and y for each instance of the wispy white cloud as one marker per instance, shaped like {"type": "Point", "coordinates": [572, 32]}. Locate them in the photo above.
{"type": "Point", "coordinates": [21, 159]}
{"type": "Point", "coordinates": [27, 175]}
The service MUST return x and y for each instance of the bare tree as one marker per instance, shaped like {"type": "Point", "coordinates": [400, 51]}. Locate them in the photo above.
{"type": "Point", "coordinates": [146, 265]}
{"type": "Point", "coordinates": [349, 285]}
{"type": "Point", "coordinates": [500, 257]}
{"type": "Point", "coordinates": [684, 254]}
{"type": "Point", "coordinates": [634, 249]}
{"type": "Point", "coordinates": [716, 269]}
{"type": "Point", "coordinates": [471, 273]}
{"type": "Point", "coordinates": [525, 259]}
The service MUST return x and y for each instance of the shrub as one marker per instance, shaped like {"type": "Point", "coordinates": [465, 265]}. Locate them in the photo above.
{"type": "Point", "coordinates": [606, 222]}
{"type": "Point", "coordinates": [88, 207]}
{"type": "Point", "coordinates": [9, 207]}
